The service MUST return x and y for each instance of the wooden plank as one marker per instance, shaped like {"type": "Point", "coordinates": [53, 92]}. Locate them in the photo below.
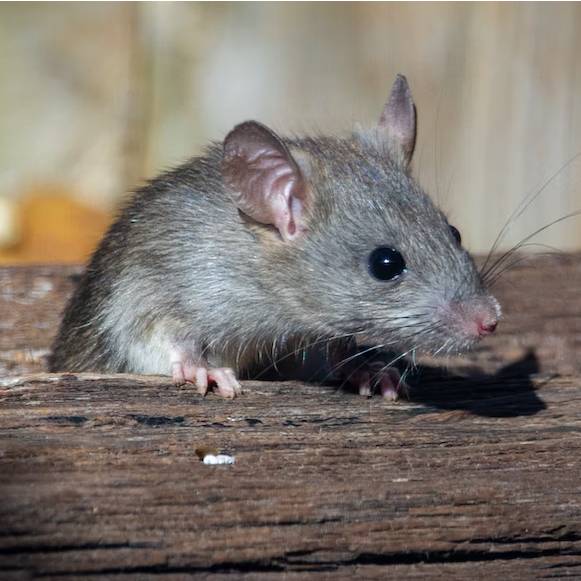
{"type": "Point", "coordinates": [475, 476]}
{"type": "Point", "coordinates": [31, 302]}
{"type": "Point", "coordinates": [99, 476]}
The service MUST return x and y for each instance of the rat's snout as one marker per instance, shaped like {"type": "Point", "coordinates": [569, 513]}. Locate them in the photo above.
{"type": "Point", "coordinates": [486, 327]}
{"type": "Point", "coordinates": [475, 318]}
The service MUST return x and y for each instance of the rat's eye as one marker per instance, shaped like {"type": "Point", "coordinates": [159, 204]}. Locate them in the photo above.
{"type": "Point", "coordinates": [456, 234]}
{"type": "Point", "coordinates": [386, 263]}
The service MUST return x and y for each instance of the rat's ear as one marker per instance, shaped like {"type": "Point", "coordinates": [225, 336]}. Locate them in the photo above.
{"type": "Point", "coordinates": [267, 182]}
{"type": "Point", "coordinates": [398, 121]}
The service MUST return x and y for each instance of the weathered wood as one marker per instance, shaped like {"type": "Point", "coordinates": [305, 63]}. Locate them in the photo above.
{"type": "Point", "coordinates": [475, 476]}
{"type": "Point", "coordinates": [31, 302]}
{"type": "Point", "coordinates": [100, 476]}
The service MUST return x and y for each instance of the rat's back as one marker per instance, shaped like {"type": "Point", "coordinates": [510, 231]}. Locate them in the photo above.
{"type": "Point", "coordinates": [141, 271]}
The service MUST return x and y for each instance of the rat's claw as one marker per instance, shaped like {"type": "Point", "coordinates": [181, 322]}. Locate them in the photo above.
{"type": "Point", "coordinates": [376, 377]}
{"type": "Point", "coordinates": [226, 382]}
{"type": "Point", "coordinates": [362, 381]}
{"type": "Point", "coordinates": [233, 381]}
{"type": "Point", "coordinates": [185, 371]}
{"type": "Point", "coordinates": [201, 380]}
{"type": "Point", "coordinates": [391, 385]}
{"type": "Point", "coordinates": [177, 373]}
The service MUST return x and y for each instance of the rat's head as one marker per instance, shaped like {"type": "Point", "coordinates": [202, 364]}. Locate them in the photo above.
{"type": "Point", "coordinates": [354, 246]}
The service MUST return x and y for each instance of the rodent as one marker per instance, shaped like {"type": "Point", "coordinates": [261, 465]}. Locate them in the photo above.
{"type": "Point", "coordinates": [265, 244]}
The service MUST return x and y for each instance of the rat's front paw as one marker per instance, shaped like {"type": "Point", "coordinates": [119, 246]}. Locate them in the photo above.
{"type": "Point", "coordinates": [375, 376]}
{"type": "Point", "coordinates": [223, 378]}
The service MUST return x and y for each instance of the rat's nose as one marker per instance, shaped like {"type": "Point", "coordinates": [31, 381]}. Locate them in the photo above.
{"type": "Point", "coordinates": [486, 327]}
{"type": "Point", "coordinates": [474, 318]}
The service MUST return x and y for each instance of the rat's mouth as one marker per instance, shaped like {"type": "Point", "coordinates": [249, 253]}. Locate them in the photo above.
{"type": "Point", "coordinates": [440, 348]}
{"type": "Point", "coordinates": [453, 346]}
{"type": "Point", "coordinates": [453, 328]}
{"type": "Point", "coordinates": [470, 321]}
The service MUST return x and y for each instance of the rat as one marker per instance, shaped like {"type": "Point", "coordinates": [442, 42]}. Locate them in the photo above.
{"type": "Point", "coordinates": [267, 246]}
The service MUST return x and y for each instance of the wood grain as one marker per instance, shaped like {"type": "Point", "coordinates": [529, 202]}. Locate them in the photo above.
{"type": "Point", "coordinates": [477, 475]}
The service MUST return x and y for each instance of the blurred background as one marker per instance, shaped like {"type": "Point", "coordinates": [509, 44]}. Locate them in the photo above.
{"type": "Point", "coordinates": [95, 98]}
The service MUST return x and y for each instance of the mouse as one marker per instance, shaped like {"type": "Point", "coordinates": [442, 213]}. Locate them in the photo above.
{"type": "Point", "coordinates": [267, 247]}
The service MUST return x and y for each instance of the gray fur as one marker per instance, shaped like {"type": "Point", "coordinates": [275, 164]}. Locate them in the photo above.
{"type": "Point", "coordinates": [182, 267]}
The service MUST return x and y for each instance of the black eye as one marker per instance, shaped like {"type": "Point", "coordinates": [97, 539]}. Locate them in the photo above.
{"type": "Point", "coordinates": [456, 234]}
{"type": "Point", "coordinates": [386, 263]}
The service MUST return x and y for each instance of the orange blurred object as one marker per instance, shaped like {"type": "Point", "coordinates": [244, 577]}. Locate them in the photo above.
{"type": "Point", "coordinates": [53, 227]}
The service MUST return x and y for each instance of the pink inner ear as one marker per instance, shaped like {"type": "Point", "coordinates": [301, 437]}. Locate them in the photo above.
{"type": "Point", "coordinates": [295, 210]}
{"type": "Point", "coordinates": [267, 183]}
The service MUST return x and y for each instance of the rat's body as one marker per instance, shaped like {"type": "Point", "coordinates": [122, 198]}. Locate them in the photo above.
{"type": "Point", "coordinates": [237, 258]}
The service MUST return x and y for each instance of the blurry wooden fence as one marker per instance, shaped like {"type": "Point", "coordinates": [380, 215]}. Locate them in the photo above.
{"type": "Point", "coordinates": [96, 97]}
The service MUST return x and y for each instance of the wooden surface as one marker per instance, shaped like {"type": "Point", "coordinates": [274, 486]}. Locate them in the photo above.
{"type": "Point", "coordinates": [477, 475]}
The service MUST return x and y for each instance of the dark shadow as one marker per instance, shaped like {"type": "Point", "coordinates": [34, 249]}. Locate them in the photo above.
{"type": "Point", "coordinates": [510, 392]}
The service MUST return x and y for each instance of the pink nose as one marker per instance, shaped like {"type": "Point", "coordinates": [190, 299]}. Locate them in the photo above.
{"type": "Point", "coordinates": [486, 327]}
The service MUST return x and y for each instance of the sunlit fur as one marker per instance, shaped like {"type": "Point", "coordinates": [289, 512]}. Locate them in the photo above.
{"type": "Point", "coordinates": [182, 268]}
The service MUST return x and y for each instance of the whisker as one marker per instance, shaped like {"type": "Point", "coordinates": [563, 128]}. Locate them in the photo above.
{"type": "Point", "coordinates": [518, 259]}
{"type": "Point", "coordinates": [527, 201]}
{"type": "Point", "coordinates": [303, 348]}
{"type": "Point", "coordinates": [532, 235]}
{"type": "Point", "coordinates": [343, 362]}
{"type": "Point", "coordinates": [503, 259]}
{"type": "Point", "coordinates": [390, 364]}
